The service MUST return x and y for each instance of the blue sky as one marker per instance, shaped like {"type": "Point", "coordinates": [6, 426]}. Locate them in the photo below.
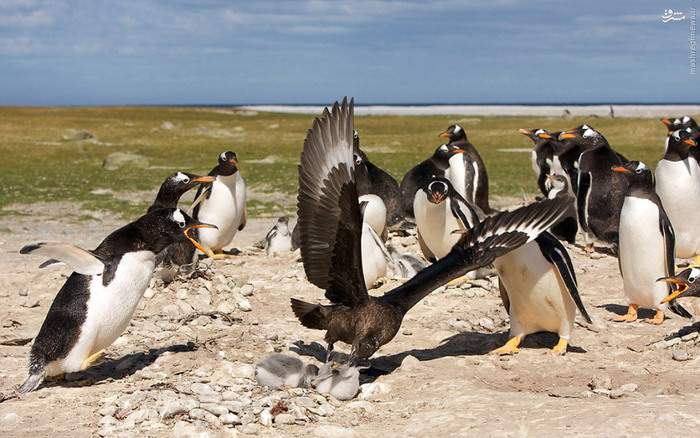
{"type": "Point", "coordinates": [135, 52]}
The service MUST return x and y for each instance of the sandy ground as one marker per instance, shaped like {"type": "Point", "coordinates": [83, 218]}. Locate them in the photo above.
{"type": "Point", "coordinates": [197, 340]}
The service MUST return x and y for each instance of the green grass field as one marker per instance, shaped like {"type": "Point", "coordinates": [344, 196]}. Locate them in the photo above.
{"type": "Point", "coordinates": [44, 157]}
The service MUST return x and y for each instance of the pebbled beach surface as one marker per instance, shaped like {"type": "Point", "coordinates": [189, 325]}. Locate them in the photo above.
{"type": "Point", "coordinates": [184, 367]}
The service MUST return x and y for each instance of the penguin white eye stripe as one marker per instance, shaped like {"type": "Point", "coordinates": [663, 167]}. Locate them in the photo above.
{"type": "Point", "coordinates": [179, 218]}
{"type": "Point", "coordinates": [694, 273]}
{"type": "Point", "coordinates": [222, 157]}
{"type": "Point", "coordinates": [181, 177]}
{"type": "Point", "coordinates": [432, 184]}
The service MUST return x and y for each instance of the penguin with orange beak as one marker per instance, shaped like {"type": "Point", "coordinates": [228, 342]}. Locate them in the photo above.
{"type": "Point", "coordinates": [646, 246]}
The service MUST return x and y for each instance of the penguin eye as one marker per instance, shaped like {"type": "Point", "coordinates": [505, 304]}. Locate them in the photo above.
{"type": "Point", "coordinates": [186, 180]}
{"type": "Point", "coordinates": [358, 160]}
{"type": "Point", "coordinates": [181, 224]}
{"type": "Point", "coordinates": [691, 279]}
{"type": "Point", "coordinates": [677, 136]}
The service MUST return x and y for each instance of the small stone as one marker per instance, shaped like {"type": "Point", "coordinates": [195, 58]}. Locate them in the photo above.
{"type": "Point", "coordinates": [486, 323]}
{"type": "Point", "coordinates": [197, 414]}
{"type": "Point", "coordinates": [600, 382]}
{"type": "Point", "coordinates": [10, 420]}
{"type": "Point", "coordinates": [247, 290]}
{"type": "Point", "coordinates": [172, 409]}
{"type": "Point", "coordinates": [107, 411]}
{"type": "Point", "coordinates": [374, 390]}
{"type": "Point", "coordinates": [680, 354]}
{"type": "Point", "coordinates": [690, 336]}
{"type": "Point", "coordinates": [149, 293]}
{"type": "Point", "coordinates": [265, 418]}
{"type": "Point", "coordinates": [285, 419]}
{"type": "Point", "coordinates": [244, 305]}
{"type": "Point", "coordinates": [181, 294]}
{"type": "Point", "coordinates": [230, 419]}
{"type": "Point", "coordinates": [31, 303]}
{"type": "Point", "coordinates": [565, 393]}
{"type": "Point", "coordinates": [249, 429]}
{"type": "Point", "coordinates": [363, 406]}
{"type": "Point", "coordinates": [215, 409]}
{"type": "Point", "coordinates": [617, 393]}
{"type": "Point", "coordinates": [629, 387]}
{"type": "Point", "coordinates": [23, 290]}
{"type": "Point", "coordinates": [673, 341]}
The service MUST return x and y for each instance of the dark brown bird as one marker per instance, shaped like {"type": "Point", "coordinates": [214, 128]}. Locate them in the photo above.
{"type": "Point", "coordinates": [330, 227]}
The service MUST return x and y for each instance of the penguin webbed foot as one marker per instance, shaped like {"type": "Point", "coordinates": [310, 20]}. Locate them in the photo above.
{"type": "Point", "coordinates": [630, 316]}
{"type": "Point", "coordinates": [560, 348]}
{"type": "Point", "coordinates": [510, 347]}
{"type": "Point", "coordinates": [658, 319]}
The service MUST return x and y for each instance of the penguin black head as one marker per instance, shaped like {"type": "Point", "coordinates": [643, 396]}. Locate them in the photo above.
{"type": "Point", "coordinates": [672, 124]}
{"type": "Point", "coordinates": [680, 139]}
{"type": "Point", "coordinates": [454, 132]}
{"type": "Point", "coordinates": [687, 284]}
{"type": "Point", "coordinates": [165, 226]}
{"type": "Point", "coordinates": [174, 187]}
{"type": "Point", "coordinates": [355, 139]}
{"type": "Point", "coordinates": [228, 162]}
{"type": "Point", "coordinates": [584, 136]}
{"type": "Point", "coordinates": [446, 151]}
{"type": "Point", "coordinates": [437, 189]}
{"type": "Point", "coordinates": [634, 172]}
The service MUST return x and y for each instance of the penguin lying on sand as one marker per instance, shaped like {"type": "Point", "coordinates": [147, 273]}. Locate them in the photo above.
{"type": "Point", "coordinates": [96, 303]}
{"type": "Point", "coordinates": [282, 370]}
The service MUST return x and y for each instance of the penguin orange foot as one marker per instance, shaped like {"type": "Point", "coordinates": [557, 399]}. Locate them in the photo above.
{"type": "Point", "coordinates": [560, 348]}
{"type": "Point", "coordinates": [510, 347]}
{"type": "Point", "coordinates": [630, 316]}
{"type": "Point", "coordinates": [658, 319]}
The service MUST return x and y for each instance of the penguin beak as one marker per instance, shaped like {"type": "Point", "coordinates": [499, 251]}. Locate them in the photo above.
{"type": "Point", "coordinates": [682, 287]}
{"type": "Point", "coordinates": [437, 197]}
{"type": "Point", "coordinates": [204, 179]}
{"type": "Point", "coordinates": [194, 242]}
{"type": "Point", "coordinates": [666, 122]}
{"type": "Point", "coordinates": [567, 134]}
{"type": "Point", "coordinates": [619, 169]}
{"type": "Point", "coordinates": [690, 142]}
{"type": "Point", "coordinates": [459, 151]}
{"type": "Point", "coordinates": [550, 176]}
{"type": "Point", "coordinates": [544, 135]}
{"type": "Point", "coordinates": [233, 160]}
{"type": "Point", "coordinates": [444, 134]}
{"type": "Point", "coordinates": [524, 131]}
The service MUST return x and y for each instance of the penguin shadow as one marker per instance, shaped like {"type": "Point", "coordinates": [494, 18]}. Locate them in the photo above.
{"type": "Point", "coordinates": [461, 344]}
{"type": "Point", "coordinates": [117, 369]}
{"type": "Point", "coordinates": [619, 310]}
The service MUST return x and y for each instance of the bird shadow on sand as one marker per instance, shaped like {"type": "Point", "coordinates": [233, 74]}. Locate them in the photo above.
{"type": "Point", "coordinates": [618, 309]}
{"type": "Point", "coordinates": [461, 344]}
{"type": "Point", "coordinates": [118, 368]}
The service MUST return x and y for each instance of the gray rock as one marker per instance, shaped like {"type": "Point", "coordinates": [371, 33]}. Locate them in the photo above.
{"type": "Point", "coordinates": [172, 409]}
{"type": "Point", "coordinates": [215, 409]}
{"type": "Point", "coordinates": [680, 353]}
{"type": "Point", "coordinates": [230, 419]}
{"type": "Point", "coordinates": [629, 387]}
{"type": "Point", "coordinates": [602, 381]}
{"type": "Point", "coordinates": [249, 429]}
{"type": "Point", "coordinates": [247, 290]}
{"type": "Point", "coordinates": [285, 419]}
{"type": "Point", "coordinates": [265, 418]}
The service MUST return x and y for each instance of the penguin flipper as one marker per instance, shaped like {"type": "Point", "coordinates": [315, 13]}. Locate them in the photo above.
{"type": "Point", "coordinates": [584, 185]}
{"type": "Point", "coordinates": [244, 219]}
{"type": "Point", "coordinates": [556, 254]}
{"type": "Point", "coordinates": [82, 261]}
{"type": "Point", "coordinates": [32, 382]}
{"type": "Point", "coordinates": [504, 295]}
{"type": "Point", "coordinates": [427, 253]}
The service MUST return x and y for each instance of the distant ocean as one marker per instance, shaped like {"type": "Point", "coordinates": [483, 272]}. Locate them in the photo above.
{"type": "Point", "coordinates": [553, 110]}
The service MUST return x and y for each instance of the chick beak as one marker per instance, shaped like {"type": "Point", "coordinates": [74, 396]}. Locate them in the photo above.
{"type": "Point", "coordinates": [194, 242]}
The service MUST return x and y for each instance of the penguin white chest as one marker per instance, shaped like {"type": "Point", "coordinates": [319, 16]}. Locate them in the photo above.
{"type": "Point", "coordinates": [109, 309]}
{"type": "Point", "coordinates": [373, 258]}
{"type": "Point", "coordinates": [539, 300]}
{"type": "Point", "coordinates": [457, 174]}
{"type": "Point", "coordinates": [224, 208]}
{"type": "Point", "coordinates": [435, 224]}
{"type": "Point", "coordinates": [642, 253]}
{"type": "Point", "coordinates": [678, 186]}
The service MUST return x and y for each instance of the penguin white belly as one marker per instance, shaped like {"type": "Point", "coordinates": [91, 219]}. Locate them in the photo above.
{"type": "Point", "coordinates": [678, 186]}
{"type": "Point", "coordinates": [373, 260]}
{"type": "Point", "coordinates": [436, 223]}
{"type": "Point", "coordinates": [533, 161]}
{"type": "Point", "coordinates": [224, 208]}
{"type": "Point", "coordinates": [539, 300]}
{"type": "Point", "coordinates": [642, 253]}
{"type": "Point", "coordinates": [457, 174]}
{"type": "Point", "coordinates": [109, 310]}
{"type": "Point", "coordinates": [473, 185]}
{"type": "Point", "coordinates": [557, 169]}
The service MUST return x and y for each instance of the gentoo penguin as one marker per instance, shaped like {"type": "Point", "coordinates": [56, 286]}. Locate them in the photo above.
{"type": "Point", "coordinates": [279, 240]}
{"type": "Point", "coordinates": [96, 303]}
{"type": "Point", "coordinates": [419, 175]}
{"type": "Point", "coordinates": [542, 155]}
{"type": "Point", "coordinates": [686, 282]}
{"type": "Point", "coordinates": [373, 180]}
{"type": "Point", "coordinates": [375, 214]}
{"type": "Point", "coordinates": [678, 186]}
{"type": "Point", "coordinates": [282, 370]}
{"type": "Point", "coordinates": [539, 291]}
{"type": "Point", "coordinates": [477, 180]}
{"type": "Point", "coordinates": [330, 230]}
{"type": "Point", "coordinates": [686, 122]}
{"type": "Point", "coordinates": [221, 203]}
{"type": "Point", "coordinates": [169, 194]}
{"type": "Point", "coordinates": [566, 229]}
{"type": "Point", "coordinates": [439, 210]}
{"type": "Point", "coordinates": [339, 379]}
{"type": "Point", "coordinates": [600, 192]}
{"type": "Point", "coordinates": [646, 245]}
{"type": "Point", "coordinates": [174, 186]}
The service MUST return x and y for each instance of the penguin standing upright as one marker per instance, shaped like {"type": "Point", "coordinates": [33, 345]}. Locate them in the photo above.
{"type": "Point", "coordinates": [440, 210]}
{"type": "Point", "coordinates": [542, 155]}
{"type": "Point", "coordinates": [567, 227]}
{"type": "Point", "coordinates": [372, 180]}
{"type": "Point", "coordinates": [646, 245]}
{"type": "Point", "coordinates": [539, 291]}
{"type": "Point", "coordinates": [419, 175]}
{"type": "Point", "coordinates": [477, 182]}
{"type": "Point", "coordinates": [678, 186]}
{"type": "Point", "coordinates": [375, 257]}
{"type": "Point", "coordinates": [221, 203]}
{"type": "Point", "coordinates": [97, 301]}
{"type": "Point", "coordinates": [600, 192]}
